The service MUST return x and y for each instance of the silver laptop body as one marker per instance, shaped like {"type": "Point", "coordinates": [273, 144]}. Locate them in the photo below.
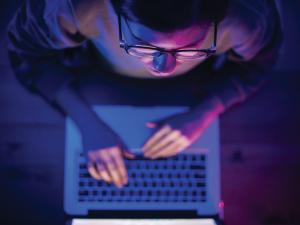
{"type": "Point", "coordinates": [187, 182]}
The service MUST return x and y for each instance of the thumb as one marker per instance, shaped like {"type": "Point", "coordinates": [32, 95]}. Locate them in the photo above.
{"type": "Point", "coordinates": [126, 152]}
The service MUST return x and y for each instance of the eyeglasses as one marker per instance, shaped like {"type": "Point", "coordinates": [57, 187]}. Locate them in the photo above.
{"type": "Point", "coordinates": [142, 51]}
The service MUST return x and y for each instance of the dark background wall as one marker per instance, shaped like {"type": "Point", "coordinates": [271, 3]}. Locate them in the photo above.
{"type": "Point", "coordinates": [260, 145]}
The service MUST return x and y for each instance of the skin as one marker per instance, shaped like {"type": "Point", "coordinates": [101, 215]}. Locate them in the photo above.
{"type": "Point", "coordinates": [108, 164]}
{"type": "Point", "coordinates": [165, 142]}
{"type": "Point", "coordinates": [192, 37]}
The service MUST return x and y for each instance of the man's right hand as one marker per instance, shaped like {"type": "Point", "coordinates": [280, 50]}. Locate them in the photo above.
{"type": "Point", "coordinates": [108, 164]}
{"type": "Point", "coordinates": [103, 148]}
{"type": "Point", "coordinates": [105, 153]}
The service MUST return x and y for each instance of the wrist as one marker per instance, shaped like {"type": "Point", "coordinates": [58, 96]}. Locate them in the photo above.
{"type": "Point", "coordinates": [91, 123]}
{"type": "Point", "coordinates": [212, 104]}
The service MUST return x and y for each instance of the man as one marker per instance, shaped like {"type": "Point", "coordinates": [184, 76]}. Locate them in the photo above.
{"type": "Point", "coordinates": [148, 40]}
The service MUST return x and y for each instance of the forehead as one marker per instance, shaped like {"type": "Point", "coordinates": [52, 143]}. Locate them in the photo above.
{"type": "Point", "coordinates": [193, 34]}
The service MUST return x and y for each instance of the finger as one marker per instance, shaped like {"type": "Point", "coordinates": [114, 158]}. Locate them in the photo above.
{"type": "Point", "coordinates": [102, 159]}
{"type": "Point", "coordinates": [103, 172]}
{"type": "Point", "coordinates": [170, 137]}
{"type": "Point", "coordinates": [121, 168]}
{"type": "Point", "coordinates": [116, 155]}
{"type": "Point", "coordinates": [163, 131]}
{"type": "Point", "coordinates": [151, 124]}
{"type": "Point", "coordinates": [113, 167]}
{"type": "Point", "coordinates": [113, 171]}
{"type": "Point", "coordinates": [92, 171]}
{"type": "Point", "coordinates": [172, 149]}
{"type": "Point", "coordinates": [92, 155]}
{"type": "Point", "coordinates": [183, 143]}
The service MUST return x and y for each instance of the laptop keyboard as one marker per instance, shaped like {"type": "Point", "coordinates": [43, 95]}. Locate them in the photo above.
{"type": "Point", "coordinates": [176, 179]}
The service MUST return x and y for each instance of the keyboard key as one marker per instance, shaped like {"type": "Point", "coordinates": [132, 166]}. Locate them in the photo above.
{"type": "Point", "coordinates": [83, 193]}
{"type": "Point", "coordinates": [84, 175]}
{"type": "Point", "coordinates": [197, 167]}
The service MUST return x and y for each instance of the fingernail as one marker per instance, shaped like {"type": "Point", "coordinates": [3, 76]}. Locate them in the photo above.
{"type": "Point", "coordinates": [150, 124]}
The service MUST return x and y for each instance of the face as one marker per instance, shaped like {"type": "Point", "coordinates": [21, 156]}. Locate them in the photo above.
{"type": "Point", "coordinates": [165, 64]}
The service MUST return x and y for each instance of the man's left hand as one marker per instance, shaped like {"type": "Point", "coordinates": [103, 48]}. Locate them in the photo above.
{"type": "Point", "coordinates": [175, 133]}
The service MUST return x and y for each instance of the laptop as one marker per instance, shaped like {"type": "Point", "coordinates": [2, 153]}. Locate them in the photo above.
{"type": "Point", "coordinates": [188, 183]}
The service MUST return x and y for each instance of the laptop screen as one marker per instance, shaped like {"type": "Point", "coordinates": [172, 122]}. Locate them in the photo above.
{"type": "Point", "coordinates": [143, 222]}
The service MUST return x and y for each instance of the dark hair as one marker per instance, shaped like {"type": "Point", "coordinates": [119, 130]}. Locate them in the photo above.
{"type": "Point", "coordinates": [170, 15]}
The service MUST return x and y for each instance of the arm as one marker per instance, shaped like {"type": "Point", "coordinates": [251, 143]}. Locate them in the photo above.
{"type": "Point", "coordinates": [37, 34]}
{"type": "Point", "coordinates": [239, 78]}
{"type": "Point", "coordinates": [88, 122]}
{"type": "Point", "coordinates": [103, 147]}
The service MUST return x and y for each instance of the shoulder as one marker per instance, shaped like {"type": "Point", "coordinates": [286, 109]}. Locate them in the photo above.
{"type": "Point", "coordinates": [76, 16]}
{"type": "Point", "coordinates": [250, 25]}
{"type": "Point", "coordinates": [88, 14]}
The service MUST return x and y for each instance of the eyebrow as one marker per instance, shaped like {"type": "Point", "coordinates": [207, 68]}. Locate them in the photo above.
{"type": "Point", "coordinates": [149, 44]}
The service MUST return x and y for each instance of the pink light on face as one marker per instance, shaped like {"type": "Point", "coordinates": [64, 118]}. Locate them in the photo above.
{"type": "Point", "coordinates": [166, 64]}
{"type": "Point", "coordinates": [192, 36]}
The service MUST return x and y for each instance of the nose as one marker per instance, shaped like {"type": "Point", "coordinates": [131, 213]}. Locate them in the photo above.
{"type": "Point", "coordinates": [164, 62]}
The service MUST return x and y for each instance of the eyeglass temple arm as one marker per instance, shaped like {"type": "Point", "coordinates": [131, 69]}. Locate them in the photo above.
{"type": "Point", "coordinates": [215, 35]}
{"type": "Point", "coordinates": [120, 32]}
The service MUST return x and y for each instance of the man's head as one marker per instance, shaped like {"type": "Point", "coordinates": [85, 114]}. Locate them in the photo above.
{"type": "Point", "coordinates": [169, 25]}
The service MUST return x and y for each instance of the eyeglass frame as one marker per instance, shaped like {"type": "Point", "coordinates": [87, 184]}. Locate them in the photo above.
{"type": "Point", "coordinates": [209, 51]}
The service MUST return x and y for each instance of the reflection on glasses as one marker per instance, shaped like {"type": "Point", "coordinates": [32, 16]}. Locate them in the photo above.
{"type": "Point", "coordinates": [142, 51]}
